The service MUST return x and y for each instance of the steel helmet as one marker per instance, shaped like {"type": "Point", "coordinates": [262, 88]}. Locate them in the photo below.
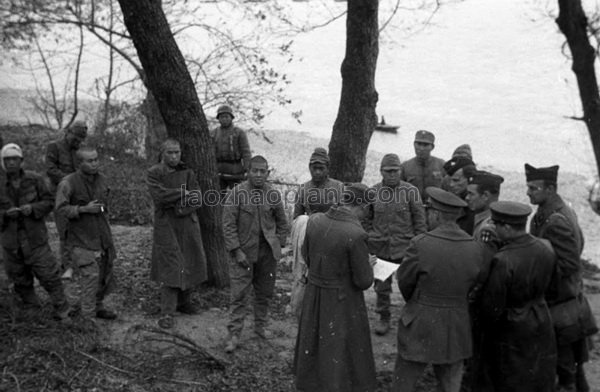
{"type": "Point", "coordinates": [225, 109]}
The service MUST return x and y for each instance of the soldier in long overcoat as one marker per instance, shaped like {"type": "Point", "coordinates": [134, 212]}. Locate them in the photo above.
{"type": "Point", "coordinates": [519, 329]}
{"type": "Point", "coordinates": [178, 258]}
{"type": "Point", "coordinates": [333, 349]}
{"type": "Point", "coordinates": [439, 271]}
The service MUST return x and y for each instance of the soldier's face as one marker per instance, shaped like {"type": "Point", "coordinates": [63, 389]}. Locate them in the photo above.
{"type": "Point", "coordinates": [390, 176]}
{"type": "Point", "coordinates": [458, 182]}
{"type": "Point", "coordinates": [225, 119]}
{"type": "Point", "coordinates": [537, 191]}
{"type": "Point", "coordinates": [89, 162]}
{"type": "Point", "coordinates": [477, 201]}
{"type": "Point", "coordinates": [12, 164]}
{"type": "Point", "coordinates": [318, 172]}
{"type": "Point", "coordinates": [258, 174]}
{"type": "Point", "coordinates": [423, 150]}
{"type": "Point", "coordinates": [172, 155]}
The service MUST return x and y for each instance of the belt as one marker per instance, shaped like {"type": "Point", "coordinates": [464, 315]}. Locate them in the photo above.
{"type": "Point", "coordinates": [229, 160]}
{"type": "Point", "coordinates": [328, 283]}
{"type": "Point", "coordinates": [441, 301]}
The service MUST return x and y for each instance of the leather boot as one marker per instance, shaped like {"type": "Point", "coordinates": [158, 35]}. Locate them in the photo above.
{"type": "Point", "coordinates": [382, 327]}
{"type": "Point", "coordinates": [580, 380]}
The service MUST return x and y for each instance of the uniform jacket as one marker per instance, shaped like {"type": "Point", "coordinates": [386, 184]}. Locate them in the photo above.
{"type": "Point", "coordinates": [440, 269]}
{"type": "Point", "coordinates": [231, 149]}
{"type": "Point", "coordinates": [25, 231]}
{"type": "Point", "coordinates": [423, 174]}
{"type": "Point", "coordinates": [250, 213]}
{"type": "Point", "coordinates": [518, 324]}
{"type": "Point", "coordinates": [313, 198]}
{"type": "Point", "coordinates": [178, 257]}
{"type": "Point", "coordinates": [88, 231]}
{"type": "Point", "coordinates": [60, 161]}
{"type": "Point", "coordinates": [333, 349]}
{"type": "Point", "coordinates": [557, 223]}
{"type": "Point", "coordinates": [480, 220]}
{"type": "Point", "coordinates": [395, 220]}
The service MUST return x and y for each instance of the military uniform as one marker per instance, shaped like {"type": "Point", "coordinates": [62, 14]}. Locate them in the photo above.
{"type": "Point", "coordinates": [257, 226]}
{"type": "Point", "coordinates": [25, 240]}
{"type": "Point", "coordinates": [317, 198]}
{"type": "Point", "coordinates": [423, 173]}
{"type": "Point", "coordinates": [89, 237]}
{"type": "Point", "coordinates": [519, 328]}
{"type": "Point", "coordinates": [439, 271]}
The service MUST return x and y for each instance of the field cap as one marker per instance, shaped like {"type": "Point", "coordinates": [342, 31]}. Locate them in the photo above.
{"type": "Point", "coordinates": [444, 201]}
{"type": "Point", "coordinates": [510, 212]}
{"type": "Point", "coordinates": [482, 177]}
{"type": "Point", "coordinates": [79, 128]}
{"type": "Point", "coordinates": [549, 174]}
{"type": "Point", "coordinates": [11, 150]}
{"type": "Point", "coordinates": [464, 150]}
{"type": "Point", "coordinates": [457, 163]}
{"type": "Point", "coordinates": [390, 161]}
{"type": "Point", "coordinates": [424, 136]}
{"type": "Point", "coordinates": [319, 156]}
{"type": "Point", "coordinates": [355, 193]}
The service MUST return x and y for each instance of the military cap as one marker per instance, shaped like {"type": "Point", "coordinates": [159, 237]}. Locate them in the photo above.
{"type": "Point", "coordinates": [79, 128]}
{"type": "Point", "coordinates": [549, 174]}
{"type": "Point", "coordinates": [510, 212]}
{"type": "Point", "coordinates": [390, 161]}
{"type": "Point", "coordinates": [457, 163]}
{"type": "Point", "coordinates": [225, 109]}
{"type": "Point", "coordinates": [11, 150]}
{"type": "Point", "coordinates": [481, 177]}
{"type": "Point", "coordinates": [319, 156]}
{"type": "Point", "coordinates": [423, 136]}
{"type": "Point", "coordinates": [444, 201]}
{"type": "Point", "coordinates": [464, 150]}
{"type": "Point", "coordinates": [355, 193]}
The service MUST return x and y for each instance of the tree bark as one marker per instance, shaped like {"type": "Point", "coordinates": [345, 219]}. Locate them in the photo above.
{"type": "Point", "coordinates": [573, 23]}
{"type": "Point", "coordinates": [356, 118]}
{"type": "Point", "coordinates": [169, 81]}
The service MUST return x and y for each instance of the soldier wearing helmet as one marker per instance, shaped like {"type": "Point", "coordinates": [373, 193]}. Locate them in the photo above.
{"type": "Point", "coordinates": [231, 149]}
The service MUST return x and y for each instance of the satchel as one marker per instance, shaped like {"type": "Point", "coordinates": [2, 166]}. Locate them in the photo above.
{"type": "Point", "coordinates": [573, 320]}
{"type": "Point", "coordinates": [586, 317]}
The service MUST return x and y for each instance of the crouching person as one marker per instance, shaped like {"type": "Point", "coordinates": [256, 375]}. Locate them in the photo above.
{"type": "Point", "coordinates": [25, 201]}
{"type": "Point", "coordinates": [81, 199]}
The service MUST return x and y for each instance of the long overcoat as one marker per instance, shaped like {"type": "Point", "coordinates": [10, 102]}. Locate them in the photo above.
{"type": "Point", "coordinates": [518, 325]}
{"type": "Point", "coordinates": [439, 271]}
{"type": "Point", "coordinates": [333, 349]}
{"type": "Point", "coordinates": [178, 258]}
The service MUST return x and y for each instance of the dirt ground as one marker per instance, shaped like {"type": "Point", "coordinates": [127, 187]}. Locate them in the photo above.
{"type": "Point", "coordinates": [132, 354]}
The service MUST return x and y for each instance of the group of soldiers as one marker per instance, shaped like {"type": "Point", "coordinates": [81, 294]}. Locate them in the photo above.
{"type": "Point", "coordinates": [490, 305]}
{"type": "Point", "coordinates": [484, 297]}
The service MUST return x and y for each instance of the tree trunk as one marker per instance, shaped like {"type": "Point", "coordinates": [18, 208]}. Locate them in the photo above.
{"type": "Point", "coordinates": [169, 81]}
{"type": "Point", "coordinates": [356, 118]}
{"type": "Point", "coordinates": [574, 25]}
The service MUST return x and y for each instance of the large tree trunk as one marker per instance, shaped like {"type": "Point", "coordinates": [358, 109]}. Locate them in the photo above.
{"type": "Point", "coordinates": [356, 118]}
{"type": "Point", "coordinates": [574, 25]}
{"type": "Point", "coordinates": [169, 81]}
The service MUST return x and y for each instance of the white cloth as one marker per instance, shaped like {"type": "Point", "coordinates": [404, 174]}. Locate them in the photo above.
{"type": "Point", "coordinates": [299, 268]}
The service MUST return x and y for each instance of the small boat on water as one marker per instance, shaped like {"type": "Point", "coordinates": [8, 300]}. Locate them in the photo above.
{"type": "Point", "coordinates": [383, 127]}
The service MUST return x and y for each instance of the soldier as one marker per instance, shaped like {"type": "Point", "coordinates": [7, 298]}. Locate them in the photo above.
{"type": "Point", "coordinates": [231, 149]}
{"type": "Point", "coordinates": [397, 216]}
{"type": "Point", "coordinates": [255, 229]}
{"type": "Point", "coordinates": [458, 170]}
{"type": "Point", "coordinates": [519, 327]}
{"type": "Point", "coordinates": [178, 259]}
{"type": "Point", "coordinates": [333, 349]}
{"type": "Point", "coordinates": [316, 195]}
{"type": "Point", "coordinates": [439, 271]}
{"type": "Point", "coordinates": [557, 223]}
{"type": "Point", "coordinates": [464, 150]}
{"type": "Point", "coordinates": [482, 190]}
{"type": "Point", "coordinates": [61, 160]}
{"type": "Point", "coordinates": [81, 199]}
{"type": "Point", "coordinates": [25, 201]}
{"type": "Point", "coordinates": [424, 169]}
{"type": "Point", "coordinates": [321, 192]}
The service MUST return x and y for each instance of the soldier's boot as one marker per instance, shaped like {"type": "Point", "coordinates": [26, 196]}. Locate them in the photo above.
{"type": "Point", "coordinates": [185, 305]}
{"type": "Point", "coordinates": [382, 327]}
{"type": "Point", "coordinates": [580, 380]}
{"type": "Point", "coordinates": [28, 297]}
{"type": "Point", "coordinates": [566, 388]}
{"type": "Point", "coordinates": [232, 343]}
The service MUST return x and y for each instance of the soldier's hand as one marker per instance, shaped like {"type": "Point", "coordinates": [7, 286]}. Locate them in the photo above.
{"type": "Point", "coordinates": [93, 207]}
{"type": "Point", "coordinates": [26, 209]}
{"type": "Point", "coordinates": [240, 258]}
{"type": "Point", "coordinates": [372, 260]}
{"type": "Point", "coordinates": [13, 212]}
